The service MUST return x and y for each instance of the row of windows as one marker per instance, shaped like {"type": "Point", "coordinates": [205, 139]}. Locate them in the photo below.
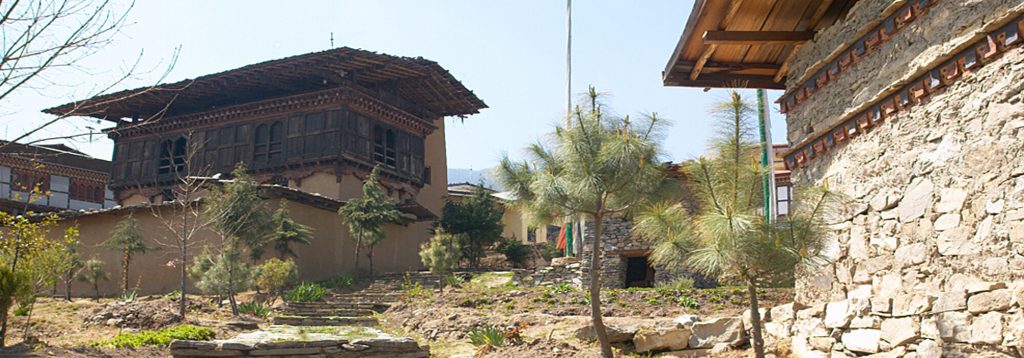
{"type": "Point", "coordinates": [26, 181]}
{"type": "Point", "coordinates": [86, 191]}
{"type": "Point", "coordinates": [277, 142]}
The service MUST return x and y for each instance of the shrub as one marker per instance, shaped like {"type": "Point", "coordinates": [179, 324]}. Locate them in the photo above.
{"type": "Point", "coordinates": [679, 284]}
{"type": "Point", "coordinates": [257, 309]}
{"type": "Point", "coordinates": [129, 296]}
{"type": "Point", "coordinates": [453, 280]}
{"type": "Point", "coordinates": [515, 252]}
{"type": "Point", "coordinates": [306, 292]}
{"type": "Point", "coordinates": [275, 274]}
{"type": "Point", "coordinates": [21, 311]}
{"type": "Point", "coordinates": [339, 281]}
{"type": "Point", "coordinates": [160, 337]}
{"type": "Point", "coordinates": [489, 336]}
{"type": "Point", "coordinates": [548, 251]}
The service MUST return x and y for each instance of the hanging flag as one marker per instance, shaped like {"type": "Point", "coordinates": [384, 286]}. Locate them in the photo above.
{"type": "Point", "coordinates": [561, 239]}
{"type": "Point", "coordinates": [568, 239]}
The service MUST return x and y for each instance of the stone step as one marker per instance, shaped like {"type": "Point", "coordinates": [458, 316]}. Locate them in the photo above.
{"type": "Point", "coordinates": [306, 312]}
{"type": "Point", "coordinates": [325, 321]}
{"type": "Point", "coordinates": [335, 305]}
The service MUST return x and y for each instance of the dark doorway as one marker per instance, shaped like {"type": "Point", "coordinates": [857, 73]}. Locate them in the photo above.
{"type": "Point", "coordinates": [639, 272]}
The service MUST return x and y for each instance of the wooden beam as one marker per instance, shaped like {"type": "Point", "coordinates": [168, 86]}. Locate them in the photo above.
{"type": "Point", "coordinates": [712, 80]}
{"type": "Point", "coordinates": [756, 37]}
{"type": "Point", "coordinates": [734, 7]}
{"type": "Point", "coordinates": [687, 65]}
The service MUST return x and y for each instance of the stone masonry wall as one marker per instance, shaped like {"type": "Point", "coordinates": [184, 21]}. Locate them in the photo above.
{"type": "Point", "coordinates": [930, 260]}
{"type": "Point", "coordinates": [616, 238]}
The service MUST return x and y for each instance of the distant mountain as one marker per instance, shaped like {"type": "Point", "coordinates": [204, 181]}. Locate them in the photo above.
{"type": "Point", "coordinates": [456, 175]}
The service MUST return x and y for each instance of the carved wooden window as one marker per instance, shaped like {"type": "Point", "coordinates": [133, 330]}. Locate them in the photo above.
{"type": "Point", "coordinates": [267, 143]}
{"type": "Point", "coordinates": [314, 134]}
{"type": "Point", "coordinates": [85, 190]}
{"type": "Point", "coordinates": [27, 180]}
{"type": "Point", "coordinates": [378, 144]}
{"type": "Point", "coordinates": [172, 156]}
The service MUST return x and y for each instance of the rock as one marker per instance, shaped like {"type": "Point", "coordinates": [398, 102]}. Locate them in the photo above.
{"type": "Point", "coordinates": [661, 339]}
{"type": "Point", "coordinates": [748, 320]}
{"type": "Point", "coordinates": [864, 322]}
{"type": "Point", "coordinates": [928, 348]}
{"type": "Point", "coordinates": [913, 254]}
{"type": "Point", "coordinates": [883, 201]}
{"type": "Point", "coordinates": [783, 313]}
{"type": "Point", "coordinates": [899, 331]}
{"type": "Point", "coordinates": [881, 305]}
{"type": "Point", "coordinates": [994, 207]}
{"type": "Point", "coordinates": [862, 340]}
{"type": "Point", "coordinates": [946, 222]}
{"type": "Point", "coordinates": [955, 242]}
{"type": "Point", "coordinates": [722, 330]}
{"type": "Point", "coordinates": [981, 286]}
{"type": "Point", "coordinates": [686, 320]}
{"type": "Point", "coordinates": [689, 353]}
{"type": "Point", "coordinates": [823, 344]}
{"type": "Point", "coordinates": [838, 314]}
{"type": "Point", "coordinates": [987, 329]}
{"type": "Point", "coordinates": [998, 300]}
{"type": "Point", "coordinates": [616, 333]}
{"type": "Point", "coordinates": [719, 349]}
{"type": "Point", "coordinates": [950, 301]}
{"type": "Point", "coordinates": [917, 199]}
{"type": "Point", "coordinates": [954, 326]}
{"type": "Point", "coordinates": [951, 200]}
{"type": "Point", "coordinates": [242, 325]}
{"type": "Point", "coordinates": [911, 304]}
{"type": "Point", "coordinates": [564, 261]}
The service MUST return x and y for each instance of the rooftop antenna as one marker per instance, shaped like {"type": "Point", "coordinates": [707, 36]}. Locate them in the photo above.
{"type": "Point", "coordinates": [332, 39]}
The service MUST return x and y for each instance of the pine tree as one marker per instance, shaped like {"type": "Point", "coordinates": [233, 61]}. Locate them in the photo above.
{"type": "Point", "coordinates": [729, 236]}
{"type": "Point", "coordinates": [597, 166]}
{"type": "Point", "coordinates": [92, 273]}
{"type": "Point", "coordinates": [128, 240]}
{"type": "Point", "coordinates": [287, 232]}
{"type": "Point", "coordinates": [475, 222]}
{"type": "Point", "coordinates": [238, 215]}
{"type": "Point", "coordinates": [367, 215]}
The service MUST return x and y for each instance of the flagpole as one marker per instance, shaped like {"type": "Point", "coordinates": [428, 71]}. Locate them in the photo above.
{"type": "Point", "coordinates": [568, 59]}
{"type": "Point", "coordinates": [767, 157]}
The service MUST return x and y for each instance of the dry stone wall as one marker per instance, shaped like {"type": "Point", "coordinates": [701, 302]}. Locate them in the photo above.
{"type": "Point", "coordinates": [929, 261]}
{"type": "Point", "coordinates": [617, 239]}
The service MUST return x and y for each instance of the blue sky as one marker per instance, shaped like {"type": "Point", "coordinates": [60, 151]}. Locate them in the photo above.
{"type": "Point", "coordinates": [510, 53]}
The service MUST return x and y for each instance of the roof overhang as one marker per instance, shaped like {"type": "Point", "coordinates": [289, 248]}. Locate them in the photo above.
{"type": "Point", "coordinates": [422, 82]}
{"type": "Point", "coordinates": [745, 43]}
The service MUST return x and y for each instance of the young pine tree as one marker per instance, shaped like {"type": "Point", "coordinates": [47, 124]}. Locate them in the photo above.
{"type": "Point", "coordinates": [366, 217]}
{"type": "Point", "coordinates": [596, 166]}
{"type": "Point", "coordinates": [476, 222]}
{"type": "Point", "coordinates": [287, 232]}
{"type": "Point", "coordinates": [128, 240]}
{"type": "Point", "coordinates": [729, 237]}
{"type": "Point", "coordinates": [92, 273]}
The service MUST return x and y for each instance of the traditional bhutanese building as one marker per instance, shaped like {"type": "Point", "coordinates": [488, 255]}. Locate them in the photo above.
{"type": "Point", "coordinates": [309, 128]}
{"type": "Point", "coordinates": [65, 179]}
{"type": "Point", "coordinates": [914, 109]}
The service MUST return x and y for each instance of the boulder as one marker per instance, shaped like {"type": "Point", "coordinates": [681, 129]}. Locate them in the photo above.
{"type": "Point", "coordinates": [563, 261]}
{"type": "Point", "coordinates": [686, 320]}
{"type": "Point", "coordinates": [661, 339]}
{"type": "Point", "coordinates": [899, 331]}
{"type": "Point", "coordinates": [998, 300]}
{"type": "Point", "coordinates": [862, 340]}
{"type": "Point", "coordinates": [616, 333]}
{"type": "Point", "coordinates": [722, 330]}
{"type": "Point", "coordinates": [838, 314]}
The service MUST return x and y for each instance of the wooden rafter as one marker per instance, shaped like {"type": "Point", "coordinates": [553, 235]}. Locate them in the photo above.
{"type": "Point", "coordinates": [734, 7]}
{"type": "Point", "coordinates": [755, 37]}
{"type": "Point", "coordinates": [816, 18]}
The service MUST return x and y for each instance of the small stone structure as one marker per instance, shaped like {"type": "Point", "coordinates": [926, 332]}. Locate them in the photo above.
{"type": "Point", "coordinates": [562, 269]}
{"type": "Point", "coordinates": [617, 243]}
{"type": "Point", "coordinates": [289, 341]}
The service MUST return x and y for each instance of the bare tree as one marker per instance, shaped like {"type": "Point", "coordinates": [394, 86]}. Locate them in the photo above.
{"type": "Point", "coordinates": [47, 39]}
{"type": "Point", "coordinates": [182, 215]}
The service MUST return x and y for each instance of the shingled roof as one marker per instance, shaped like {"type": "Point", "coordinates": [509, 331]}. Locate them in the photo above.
{"type": "Point", "coordinates": [415, 79]}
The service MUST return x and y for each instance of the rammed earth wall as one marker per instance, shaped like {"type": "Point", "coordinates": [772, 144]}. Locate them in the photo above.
{"type": "Point", "coordinates": [930, 260]}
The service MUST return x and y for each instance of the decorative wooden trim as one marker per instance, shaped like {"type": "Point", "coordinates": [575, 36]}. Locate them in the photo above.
{"type": "Point", "coordinates": [926, 83]}
{"type": "Point", "coordinates": [53, 168]}
{"type": "Point", "coordinates": [261, 109]}
{"type": "Point", "coordinates": [855, 52]}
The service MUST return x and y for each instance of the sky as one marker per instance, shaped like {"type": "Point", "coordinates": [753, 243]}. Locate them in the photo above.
{"type": "Point", "coordinates": [510, 53]}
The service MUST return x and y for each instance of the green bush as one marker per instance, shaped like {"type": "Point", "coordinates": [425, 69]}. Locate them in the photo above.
{"type": "Point", "coordinates": [453, 281]}
{"type": "Point", "coordinates": [274, 274]}
{"type": "Point", "coordinates": [21, 311]}
{"type": "Point", "coordinates": [339, 281]}
{"type": "Point", "coordinates": [306, 292]}
{"type": "Point", "coordinates": [548, 251]}
{"type": "Point", "coordinates": [129, 296]}
{"type": "Point", "coordinates": [161, 337]}
{"type": "Point", "coordinates": [258, 309]}
{"type": "Point", "coordinates": [515, 252]}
